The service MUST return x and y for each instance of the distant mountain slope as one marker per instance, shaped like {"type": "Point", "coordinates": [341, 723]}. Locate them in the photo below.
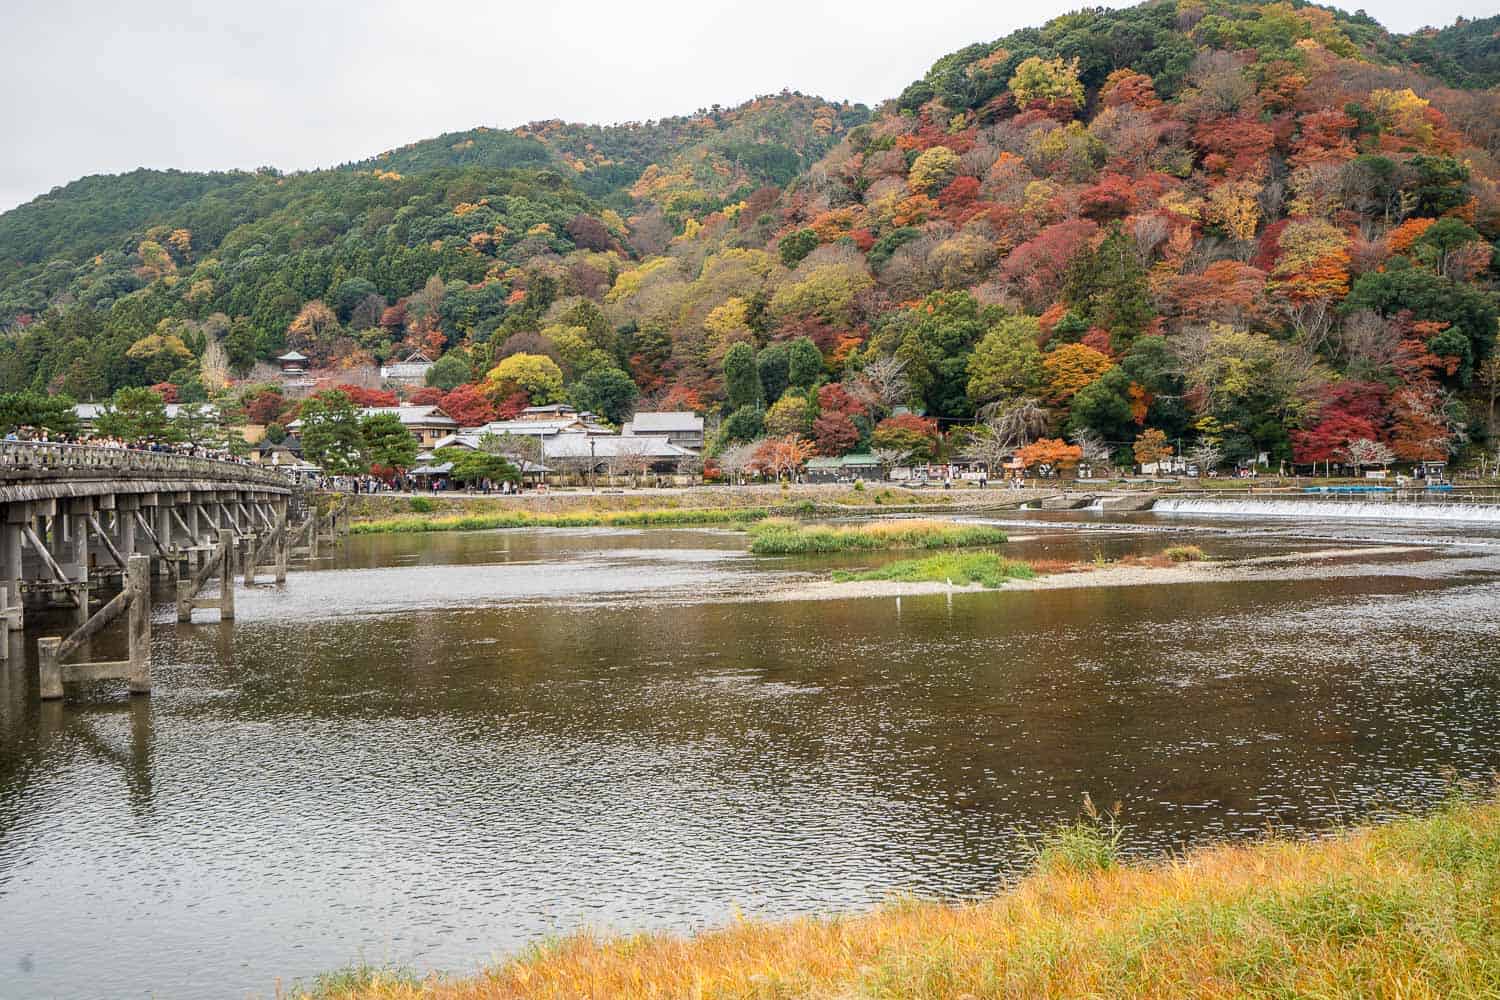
{"type": "Point", "coordinates": [101, 212]}
{"type": "Point", "coordinates": [765, 141]}
{"type": "Point", "coordinates": [250, 253]}
{"type": "Point", "coordinates": [1465, 54]}
{"type": "Point", "coordinates": [687, 164]}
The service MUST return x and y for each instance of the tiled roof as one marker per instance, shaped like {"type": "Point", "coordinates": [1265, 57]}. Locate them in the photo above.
{"type": "Point", "coordinates": [667, 421]}
{"type": "Point", "coordinates": [609, 446]}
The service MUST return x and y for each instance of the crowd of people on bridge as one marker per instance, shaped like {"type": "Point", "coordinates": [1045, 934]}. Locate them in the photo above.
{"type": "Point", "coordinates": [413, 484]}
{"type": "Point", "coordinates": [40, 435]}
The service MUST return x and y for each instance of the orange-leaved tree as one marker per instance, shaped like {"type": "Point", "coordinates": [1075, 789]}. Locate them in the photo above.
{"type": "Point", "coordinates": [1052, 452]}
{"type": "Point", "coordinates": [1151, 447]}
{"type": "Point", "coordinates": [783, 455]}
{"type": "Point", "coordinates": [1314, 262]}
{"type": "Point", "coordinates": [1072, 367]}
{"type": "Point", "coordinates": [1424, 429]}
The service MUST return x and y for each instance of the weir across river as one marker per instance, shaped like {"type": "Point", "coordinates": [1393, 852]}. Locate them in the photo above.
{"type": "Point", "coordinates": [81, 523]}
{"type": "Point", "coordinates": [1473, 504]}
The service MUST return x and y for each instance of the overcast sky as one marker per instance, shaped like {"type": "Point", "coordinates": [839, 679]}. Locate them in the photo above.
{"type": "Point", "coordinates": [102, 86]}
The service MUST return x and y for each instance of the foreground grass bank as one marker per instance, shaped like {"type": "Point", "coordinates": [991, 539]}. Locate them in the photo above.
{"type": "Point", "coordinates": [1409, 909]}
{"type": "Point", "coordinates": [783, 537]}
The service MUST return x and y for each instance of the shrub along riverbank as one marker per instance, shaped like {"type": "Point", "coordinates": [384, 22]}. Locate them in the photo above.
{"type": "Point", "coordinates": [1406, 909]}
{"type": "Point", "coordinates": [783, 537]}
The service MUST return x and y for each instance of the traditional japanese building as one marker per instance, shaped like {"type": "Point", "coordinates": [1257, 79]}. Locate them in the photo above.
{"type": "Point", "coordinates": [680, 427]}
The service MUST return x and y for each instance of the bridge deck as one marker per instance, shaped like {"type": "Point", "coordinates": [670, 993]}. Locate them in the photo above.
{"type": "Point", "coordinates": [32, 470]}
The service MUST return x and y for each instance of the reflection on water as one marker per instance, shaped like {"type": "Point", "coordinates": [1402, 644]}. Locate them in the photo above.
{"type": "Point", "coordinates": [438, 748]}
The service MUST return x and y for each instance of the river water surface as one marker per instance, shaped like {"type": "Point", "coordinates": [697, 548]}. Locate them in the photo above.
{"type": "Point", "coordinates": [432, 750]}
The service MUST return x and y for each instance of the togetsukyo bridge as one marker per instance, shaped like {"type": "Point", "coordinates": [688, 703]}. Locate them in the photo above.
{"type": "Point", "coordinates": [85, 529]}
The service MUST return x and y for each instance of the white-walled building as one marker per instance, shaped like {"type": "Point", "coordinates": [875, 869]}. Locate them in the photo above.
{"type": "Point", "coordinates": [682, 428]}
{"type": "Point", "coordinates": [428, 424]}
{"type": "Point", "coordinates": [412, 371]}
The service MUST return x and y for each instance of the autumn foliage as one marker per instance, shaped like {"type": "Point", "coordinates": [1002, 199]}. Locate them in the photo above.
{"type": "Point", "coordinates": [781, 456]}
{"type": "Point", "coordinates": [1257, 229]}
{"type": "Point", "coordinates": [1050, 452]}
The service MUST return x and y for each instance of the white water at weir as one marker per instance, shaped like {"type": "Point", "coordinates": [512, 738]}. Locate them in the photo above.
{"type": "Point", "coordinates": [1331, 510]}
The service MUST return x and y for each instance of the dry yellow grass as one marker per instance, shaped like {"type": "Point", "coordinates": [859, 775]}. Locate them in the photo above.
{"type": "Point", "coordinates": [1406, 910]}
{"type": "Point", "coordinates": [781, 536]}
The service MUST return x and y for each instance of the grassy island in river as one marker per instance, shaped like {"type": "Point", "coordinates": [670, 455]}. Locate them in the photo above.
{"type": "Point", "coordinates": [962, 568]}
{"type": "Point", "coordinates": [571, 519]}
{"type": "Point", "coordinates": [786, 537]}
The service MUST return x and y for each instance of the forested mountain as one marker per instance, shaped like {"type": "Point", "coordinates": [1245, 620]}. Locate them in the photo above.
{"type": "Point", "coordinates": [1464, 54]}
{"type": "Point", "coordinates": [1255, 229]}
{"type": "Point", "coordinates": [238, 264]}
{"type": "Point", "coordinates": [97, 213]}
{"type": "Point", "coordinates": [683, 165]}
{"type": "Point", "coordinates": [694, 161]}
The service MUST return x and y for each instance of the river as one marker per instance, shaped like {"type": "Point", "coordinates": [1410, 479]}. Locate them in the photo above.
{"type": "Point", "coordinates": [432, 750]}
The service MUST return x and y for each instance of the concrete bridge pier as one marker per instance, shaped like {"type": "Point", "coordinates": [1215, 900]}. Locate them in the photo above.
{"type": "Point", "coordinates": [125, 533]}
{"type": "Point", "coordinates": [11, 618]}
{"type": "Point", "coordinates": [75, 545]}
{"type": "Point", "coordinates": [221, 563]}
{"type": "Point", "coordinates": [250, 561]}
{"type": "Point", "coordinates": [134, 602]}
{"type": "Point", "coordinates": [284, 546]}
{"type": "Point", "coordinates": [11, 567]}
{"type": "Point", "coordinates": [161, 523]}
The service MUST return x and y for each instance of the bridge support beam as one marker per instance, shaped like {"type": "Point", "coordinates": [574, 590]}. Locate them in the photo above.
{"type": "Point", "coordinates": [222, 564]}
{"type": "Point", "coordinates": [125, 534]}
{"type": "Point", "coordinates": [10, 618]}
{"type": "Point", "coordinates": [249, 547]}
{"type": "Point", "coordinates": [226, 586]}
{"type": "Point", "coordinates": [135, 602]}
{"type": "Point", "coordinates": [167, 566]}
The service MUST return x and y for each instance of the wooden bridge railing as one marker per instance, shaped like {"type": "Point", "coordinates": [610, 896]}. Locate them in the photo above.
{"type": "Point", "coordinates": [33, 461]}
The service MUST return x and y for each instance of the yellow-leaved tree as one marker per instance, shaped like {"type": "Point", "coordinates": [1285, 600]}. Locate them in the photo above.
{"type": "Point", "coordinates": [1235, 205]}
{"type": "Point", "coordinates": [1314, 262]}
{"type": "Point", "coordinates": [534, 374]}
{"type": "Point", "coordinates": [933, 170]}
{"type": "Point", "coordinates": [1038, 79]}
